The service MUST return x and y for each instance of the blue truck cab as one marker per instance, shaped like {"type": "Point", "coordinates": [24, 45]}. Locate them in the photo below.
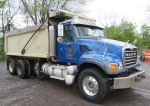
{"type": "Point", "coordinates": [93, 62]}
{"type": "Point", "coordinates": [100, 63]}
{"type": "Point", "coordinates": [82, 44]}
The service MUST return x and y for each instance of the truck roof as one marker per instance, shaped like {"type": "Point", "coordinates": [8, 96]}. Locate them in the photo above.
{"type": "Point", "coordinates": [59, 15]}
{"type": "Point", "coordinates": [63, 14]}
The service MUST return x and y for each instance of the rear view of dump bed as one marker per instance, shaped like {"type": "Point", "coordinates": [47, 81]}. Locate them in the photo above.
{"type": "Point", "coordinates": [37, 47]}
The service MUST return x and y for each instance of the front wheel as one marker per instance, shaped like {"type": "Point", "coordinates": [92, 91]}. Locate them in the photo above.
{"type": "Point", "coordinates": [37, 71]}
{"type": "Point", "coordinates": [93, 85]}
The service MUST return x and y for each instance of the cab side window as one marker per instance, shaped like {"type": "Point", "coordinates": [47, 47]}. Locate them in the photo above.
{"type": "Point", "coordinates": [67, 33]}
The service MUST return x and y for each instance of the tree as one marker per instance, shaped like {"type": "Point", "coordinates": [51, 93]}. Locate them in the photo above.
{"type": "Point", "coordinates": [124, 31]}
{"type": "Point", "coordinates": [113, 32]}
{"type": "Point", "coordinates": [78, 6]}
{"type": "Point", "coordinates": [35, 10]}
{"type": "Point", "coordinates": [110, 19]}
{"type": "Point", "coordinates": [7, 13]}
{"type": "Point", "coordinates": [145, 31]}
{"type": "Point", "coordinates": [148, 13]}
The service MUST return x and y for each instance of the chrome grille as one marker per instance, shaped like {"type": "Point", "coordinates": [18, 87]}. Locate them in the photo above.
{"type": "Point", "coordinates": [130, 57]}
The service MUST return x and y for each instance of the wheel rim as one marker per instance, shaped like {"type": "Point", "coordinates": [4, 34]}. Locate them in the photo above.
{"type": "Point", "coordinates": [10, 67]}
{"type": "Point", "coordinates": [19, 70]}
{"type": "Point", "coordinates": [90, 85]}
{"type": "Point", "coordinates": [37, 66]}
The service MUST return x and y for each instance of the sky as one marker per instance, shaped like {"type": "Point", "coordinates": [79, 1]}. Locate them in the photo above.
{"type": "Point", "coordinates": [132, 10]}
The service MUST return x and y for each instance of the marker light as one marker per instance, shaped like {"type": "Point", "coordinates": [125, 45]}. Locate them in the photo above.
{"type": "Point", "coordinates": [68, 63]}
{"type": "Point", "coordinates": [60, 13]}
{"type": "Point", "coordinates": [113, 66]}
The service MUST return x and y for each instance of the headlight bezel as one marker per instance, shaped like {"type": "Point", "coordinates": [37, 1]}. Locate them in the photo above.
{"type": "Point", "coordinates": [115, 66]}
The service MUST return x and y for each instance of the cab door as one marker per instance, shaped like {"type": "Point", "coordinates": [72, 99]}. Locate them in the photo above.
{"type": "Point", "coordinates": [66, 48]}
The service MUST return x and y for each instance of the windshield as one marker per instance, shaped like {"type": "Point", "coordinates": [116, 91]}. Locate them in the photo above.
{"type": "Point", "coordinates": [83, 31]}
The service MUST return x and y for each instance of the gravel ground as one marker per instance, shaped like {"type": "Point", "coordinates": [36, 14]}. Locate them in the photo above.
{"type": "Point", "coordinates": [50, 92]}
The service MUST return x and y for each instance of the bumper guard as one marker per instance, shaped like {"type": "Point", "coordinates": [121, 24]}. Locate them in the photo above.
{"type": "Point", "coordinates": [127, 82]}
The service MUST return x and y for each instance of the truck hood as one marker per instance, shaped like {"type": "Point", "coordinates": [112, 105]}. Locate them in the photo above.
{"type": "Point", "coordinates": [113, 46]}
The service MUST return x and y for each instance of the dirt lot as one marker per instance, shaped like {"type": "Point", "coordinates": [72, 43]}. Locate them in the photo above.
{"type": "Point", "coordinates": [50, 92]}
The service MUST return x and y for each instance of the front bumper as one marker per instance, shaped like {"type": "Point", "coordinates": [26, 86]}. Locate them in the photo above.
{"type": "Point", "coordinates": [127, 82]}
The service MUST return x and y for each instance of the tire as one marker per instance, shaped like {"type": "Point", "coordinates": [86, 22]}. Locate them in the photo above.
{"type": "Point", "coordinates": [22, 69]}
{"type": "Point", "coordinates": [12, 66]}
{"type": "Point", "coordinates": [93, 85]}
{"type": "Point", "coordinates": [37, 71]}
{"type": "Point", "coordinates": [30, 68]}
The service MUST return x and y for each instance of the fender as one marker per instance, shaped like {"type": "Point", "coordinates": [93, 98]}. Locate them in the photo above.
{"type": "Point", "coordinates": [98, 63]}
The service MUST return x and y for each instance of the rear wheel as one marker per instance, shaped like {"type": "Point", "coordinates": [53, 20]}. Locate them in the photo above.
{"type": "Point", "coordinates": [12, 66]}
{"type": "Point", "coordinates": [30, 68]}
{"type": "Point", "coordinates": [93, 85]}
{"type": "Point", "coordinates": [22, 69]}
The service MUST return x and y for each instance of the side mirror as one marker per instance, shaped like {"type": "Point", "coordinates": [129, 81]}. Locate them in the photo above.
{"type": "Point", "coordinates": [60, 30]}
{"type": "Point", "coordinates": [96, 36]}
{"type": "Point", "coordinates": [135, 42]}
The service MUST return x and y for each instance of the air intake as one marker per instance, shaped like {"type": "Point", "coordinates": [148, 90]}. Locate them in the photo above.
{"type": "Point", "coordinates": [83, 49]}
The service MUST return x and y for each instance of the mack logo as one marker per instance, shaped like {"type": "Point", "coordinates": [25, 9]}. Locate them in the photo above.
{"type": "Point", "coordinates": [130, 54]}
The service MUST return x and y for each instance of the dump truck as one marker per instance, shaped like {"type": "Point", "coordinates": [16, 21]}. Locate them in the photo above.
{"type": "Point", "coordinates": [73, 48]}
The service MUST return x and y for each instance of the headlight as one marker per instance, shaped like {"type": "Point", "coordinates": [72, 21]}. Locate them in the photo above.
{"type": "Point", "coordinates": [115, 66]}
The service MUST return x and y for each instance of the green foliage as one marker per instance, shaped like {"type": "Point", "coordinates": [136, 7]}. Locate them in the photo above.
{"type": "Point", "coordinates": [2, 2]}
{"type": "Point", "coordinates": [145, 33]}
{"type": "Point", "coordinates": [126, 31]}
{"type": "Point", "coordinates": [123, 32]}
{"type": "Point", "coordinates": [1, 49]}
